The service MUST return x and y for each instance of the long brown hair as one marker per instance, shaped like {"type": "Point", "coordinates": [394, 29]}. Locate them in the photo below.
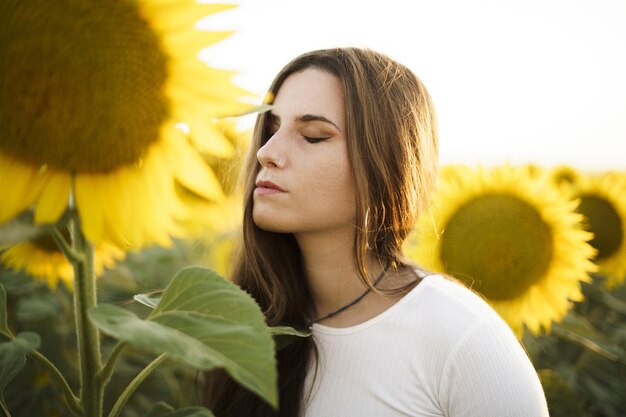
{"type": "Point", "coordinates": [391, 131]}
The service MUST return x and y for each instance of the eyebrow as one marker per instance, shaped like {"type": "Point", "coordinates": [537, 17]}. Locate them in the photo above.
{"type": "Point", "coordinates": [308, 118]}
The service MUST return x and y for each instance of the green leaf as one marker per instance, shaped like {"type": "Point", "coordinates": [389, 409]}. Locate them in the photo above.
{"type": "Point", "coordinates": [38, 306]}
{"type": "Point", "coordinates": [152, 336]}
{"type": "Point", "coordinates": [21, 229]}
{"type": "Point", "coordinates": [285, 335]}
{"type": "Point", "coordinates": [192, 412]}
{"type": "Point", "coordinates": [205, 321]}
{"type": "Point", "coordinates": [146, 300]}
{"type": "Point", "coordinates": [4, 326]}
{"type": "Point", "coordinates": [13, 356]}
{"type": "Point", "coordinates": [160, 409]}
{"type": "Point", "coordinates": [262, 108]}
{"type": "Point", "coordinates": [288, 331]}
{"type": "Point", "coordinates": [580, 331]}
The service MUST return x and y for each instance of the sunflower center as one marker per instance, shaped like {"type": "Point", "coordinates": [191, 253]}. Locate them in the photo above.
{"type": "Point", "coordinates": [605, 223]}
{"type": "Point", "coordinates": [81, 83]}
{"type": "Point", "coordinates": [498, 244]}
{"type": "Point", "coordinates": [46, 243]}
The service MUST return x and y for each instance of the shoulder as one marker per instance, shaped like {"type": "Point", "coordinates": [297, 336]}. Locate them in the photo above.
{"type": "Point", "coordinates": [450, 305]}
{"type": "Point", "coordinates": [482, 358]}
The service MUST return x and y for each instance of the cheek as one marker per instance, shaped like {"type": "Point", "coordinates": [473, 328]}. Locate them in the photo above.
{"type": "Point", "coordinates": [333, 191]}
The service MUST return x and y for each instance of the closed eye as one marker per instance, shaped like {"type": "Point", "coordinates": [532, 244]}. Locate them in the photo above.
{"type": "Point", "coordinates": [315, 140]}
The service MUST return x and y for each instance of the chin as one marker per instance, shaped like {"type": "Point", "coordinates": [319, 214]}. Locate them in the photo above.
{"type": "Point", "coordinates": [270, 224]}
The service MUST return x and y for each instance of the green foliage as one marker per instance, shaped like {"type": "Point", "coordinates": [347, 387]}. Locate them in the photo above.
{"type": "Point", "coordinates": [560, 394]}
{"type": "Point", "coordinates": [585, 354]}
{"type": "Point", "coordinates": [206, 322]}
{"type": "Point", "coordinates": [163, 410]}
{"type": "Point", "coordinates": [33, 307]}
{"type": "Point", "coordinates": [13, 357]}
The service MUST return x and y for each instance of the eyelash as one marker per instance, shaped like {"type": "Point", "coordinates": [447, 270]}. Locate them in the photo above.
{"type": "Point", "coordinates": [314, 140]}
{"type": "Point", "coordinates": [309, 139]}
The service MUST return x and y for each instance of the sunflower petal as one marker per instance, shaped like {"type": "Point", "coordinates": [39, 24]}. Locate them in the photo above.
{"type": "Point", "coordinates": [209, 140]}
{"type": "Point", "coordinates": [171, 15]}
{"type": "Point", "coordinates": [191, 171]}
{"type": "Point", "coordinates": [189, 43]}
{"type": "Point", "coordinates": [54, 198]}
{"type": "Point", "coordinates": [20, 184]}
{"type": "Point", "coordinates": [90, 202]}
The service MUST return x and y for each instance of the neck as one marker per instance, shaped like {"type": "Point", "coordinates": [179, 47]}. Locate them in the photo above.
{"type": "Point", "coordinates": [331, 274]}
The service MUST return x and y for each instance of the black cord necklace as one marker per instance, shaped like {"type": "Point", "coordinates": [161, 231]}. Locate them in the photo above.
{"type": "Point", "coordinates": [359, 298]}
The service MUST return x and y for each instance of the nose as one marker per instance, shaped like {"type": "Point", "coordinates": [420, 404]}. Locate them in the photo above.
{"type": "Point", "coordinates": [268, 156]}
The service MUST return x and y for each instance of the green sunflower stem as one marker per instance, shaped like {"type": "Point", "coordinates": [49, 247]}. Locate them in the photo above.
{"type": "Point", "coordinates": [91, 390]}
{"type": "Point", "coordinates": [132, 387]}
{"type": "Point", "coordinates": [105, 373]}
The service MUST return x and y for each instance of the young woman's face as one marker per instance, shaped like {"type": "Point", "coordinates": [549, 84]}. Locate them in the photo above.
{"type": "Point", "coordinates": [305, 183]}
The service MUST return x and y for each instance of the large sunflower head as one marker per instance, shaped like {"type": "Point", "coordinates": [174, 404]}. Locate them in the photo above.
{"type": "Point", "coordinates": [95, 90]}
{"type": "Point", "coordinates": [603, 204]}
{"type": "Point", "coordinates": [510, 236]}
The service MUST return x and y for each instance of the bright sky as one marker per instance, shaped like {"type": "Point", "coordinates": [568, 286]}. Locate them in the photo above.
{"type": "Point", "coordinates": [540, 81]}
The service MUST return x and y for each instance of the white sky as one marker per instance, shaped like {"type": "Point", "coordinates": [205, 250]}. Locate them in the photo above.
{"type": "Point", "coordinates": [540, 81]}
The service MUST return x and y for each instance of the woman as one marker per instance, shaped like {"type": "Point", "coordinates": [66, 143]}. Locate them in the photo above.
{"type": "Point", "coordinates": [339, 170]}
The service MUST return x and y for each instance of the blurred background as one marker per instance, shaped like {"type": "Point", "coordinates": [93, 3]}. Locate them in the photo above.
{"type": "Point", "coordinates": [521, 81]}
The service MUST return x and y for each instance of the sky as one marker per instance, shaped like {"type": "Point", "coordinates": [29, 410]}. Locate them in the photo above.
{"type": "Point", "coordinates": [528, 81]}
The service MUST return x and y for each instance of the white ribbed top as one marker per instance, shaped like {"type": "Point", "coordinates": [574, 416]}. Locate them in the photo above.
{"type": "Point", "coordinates": [439, 351]}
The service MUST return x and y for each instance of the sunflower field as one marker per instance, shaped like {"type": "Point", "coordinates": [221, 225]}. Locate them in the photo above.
{"type": "Point", "coordinates": [121, 196]}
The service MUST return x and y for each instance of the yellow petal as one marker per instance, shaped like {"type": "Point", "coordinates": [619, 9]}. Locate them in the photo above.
{"type": "Point", "coordinates": [54, 198]}
{"type": "Point", "coordinates": [189, 43]}
{"type": "Point", "coordinates": [20, 185]}
{"type": "Point", "coordinates": [196, 75]}
{"type": "Point", "coordinates": [191, 170]}
{"type": "Point", "coordinates": [90, 202]}
{"type": "Point", "coordinates": [209, 140]}
{"type": "Point", "coordinates": [169, 15]}
{"type": "Point", "coordinates": [205, 104]}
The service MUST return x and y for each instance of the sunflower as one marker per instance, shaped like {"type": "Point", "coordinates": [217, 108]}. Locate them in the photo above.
{"type": "Point", "coordinates": [92, 94]}
{"type": "Point", "coordinates": [42, 259]}
{"type": "Point", "coordinates": [564, 176]}
{"type": "Point", "coordinates": [603, 203]}
{"type": "Point", "coordinates": [511, 237]}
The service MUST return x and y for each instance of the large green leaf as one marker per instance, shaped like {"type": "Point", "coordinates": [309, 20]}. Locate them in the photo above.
{"type": "Point", "coordinates": [4, 327]}
{"type": "Point", "coordinates": [204, 291]}
{"type": "Point", "coordinates": [13, 356]}
{"type": "Point", "coordinates": [207, 322]}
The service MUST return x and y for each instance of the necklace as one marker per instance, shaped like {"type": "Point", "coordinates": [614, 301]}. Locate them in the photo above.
{"type": "Point", "coordinates": [350, 304]}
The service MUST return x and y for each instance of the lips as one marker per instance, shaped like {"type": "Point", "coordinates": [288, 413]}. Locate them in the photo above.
{"type": "Point", "coordinates": [267, 187]}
